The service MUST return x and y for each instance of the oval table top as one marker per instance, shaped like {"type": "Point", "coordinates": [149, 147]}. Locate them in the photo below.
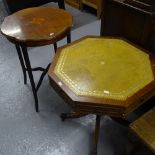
{"type": "Point", "coordinates": [38, 24]}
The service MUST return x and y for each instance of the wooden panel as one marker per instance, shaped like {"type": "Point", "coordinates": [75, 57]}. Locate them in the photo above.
{"type": "Point", "coordinates": [147, 1]}
{"type": "Point", "coordinates": [96, 4]}
{"type": "Point", "coordinates": [74, 3]}
{"type": "Point", "coordinates": [139, 4]}
{"type": "Point", "coordinates": [144, 127]}
{"type": "Point", "coordinates": [117, 19]}
{"type": "Point", "coordinates": [91, 3]}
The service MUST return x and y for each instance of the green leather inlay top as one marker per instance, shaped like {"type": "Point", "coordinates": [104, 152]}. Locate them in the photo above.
{"type": "Point", "coordinates": [105, 68]}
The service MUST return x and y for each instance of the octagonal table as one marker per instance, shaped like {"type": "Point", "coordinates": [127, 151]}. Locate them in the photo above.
{"type": "Point", "coordinates": [102, 76]}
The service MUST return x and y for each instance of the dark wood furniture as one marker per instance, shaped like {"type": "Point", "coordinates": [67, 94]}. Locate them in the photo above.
{"type": "Point", "coordinates": [97, 76]}
{"type": "Point", "coordinates": [32, 27]}
{"type": "Point", "coordinates": [144, 128]}
{"type": "Point", "coordinates": [16, 5]}
{"type": "Point", "coordinates": [124, 20]}
{"type": "Point", "coordinates": [74, 3]}
{"type": "Point", "coordinates": [148, 5]}
{"type": "Point", "coordinates": [96, 4]}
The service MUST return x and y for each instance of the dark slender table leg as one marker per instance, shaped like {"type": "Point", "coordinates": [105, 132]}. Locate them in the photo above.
{"type": "Point", "coordinates": [29, 69]}
{"type": "Point", "coordinates": [21, 62]}
{"type": "Point", "coordinates": [61, 4]}
{"type": "Point", "coordinates": [69, 36]}
{"type": "Point", "coordinates": [55, 47]}
{"type": "Point", "coordinates": [68, 40]}
{"type": "Point", "coordinates": [97, 132]}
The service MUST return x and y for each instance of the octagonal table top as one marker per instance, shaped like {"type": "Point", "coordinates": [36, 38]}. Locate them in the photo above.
{"type": "Point", "coordinates": [107, 72]}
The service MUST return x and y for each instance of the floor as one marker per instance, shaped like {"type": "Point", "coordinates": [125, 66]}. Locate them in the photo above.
{"type": "Point", "coordinates": [25, 132]}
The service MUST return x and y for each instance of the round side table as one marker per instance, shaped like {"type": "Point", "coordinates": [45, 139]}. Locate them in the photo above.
{"type": "Point", "coordinates": [33, 27]}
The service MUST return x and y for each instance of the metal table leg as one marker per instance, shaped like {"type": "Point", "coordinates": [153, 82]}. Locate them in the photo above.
{"type": "Point", "coordinates": [69, 36]}
{"type": "Point", "coordinates": [26, 66]}
{"type": "Point", "coordinates": [55, 47]}
{"type": "Point", "coordinates": [20, 56]}
{"type": "Point", "coordinates": [29, 69]}
{"type": "Point", "coordinates": [68, 40]}
{"type": "Point", "coordinates": [61, 4]}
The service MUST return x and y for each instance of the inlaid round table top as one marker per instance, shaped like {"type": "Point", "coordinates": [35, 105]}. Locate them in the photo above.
{"type": "Point", "coordinates": [36, 24]}
{"type": "Point", "coordinates": [110, 70]}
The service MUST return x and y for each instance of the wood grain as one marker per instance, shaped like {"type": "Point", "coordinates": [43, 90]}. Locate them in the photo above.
{"type": "Point", "coordinates": [37, 26]}
{"type": "Point", "coordinates": [144, 128]}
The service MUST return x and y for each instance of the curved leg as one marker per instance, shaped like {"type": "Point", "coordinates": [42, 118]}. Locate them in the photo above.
{"type": "Point", "coordinates": [61, 4]}
{"type": "Point", "coordinates": [29, 69]}
{"type": "Point", "coordinates": [21, 62]}
{"type": "Point", "coordinates": [42, 77]}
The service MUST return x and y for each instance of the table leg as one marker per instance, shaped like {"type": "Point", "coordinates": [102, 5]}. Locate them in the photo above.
{"type": "Point", "coordinates": [29, 69]}
{"type": "Point", "coordinates": [96, 134]}
{"type": "Point", "coordinates": [42, 76]}
{"type": "Point", "coordinates": [55, 47]}
{"type": "Point", "coordinates": [68, 40]}
{"type": "Point", "coordinates": [69, 36]}
{"type": "Point", "coordinates": [21, 62]}
{"type": "Point", "coordinates": [61, 4]}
